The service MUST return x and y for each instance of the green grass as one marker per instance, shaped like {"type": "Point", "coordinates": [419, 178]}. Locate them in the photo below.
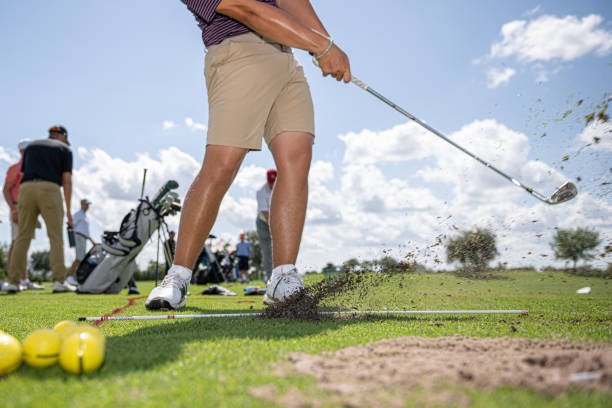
{"type": "Point", "coordinates": [214, 362]}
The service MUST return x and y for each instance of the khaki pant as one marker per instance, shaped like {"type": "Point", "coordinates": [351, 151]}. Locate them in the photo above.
{"type": "Point", "coordinates": [44, 198]}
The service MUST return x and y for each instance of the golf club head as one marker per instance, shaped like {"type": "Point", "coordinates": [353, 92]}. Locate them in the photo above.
{"type": "Point", "coordinates": [564, 193]}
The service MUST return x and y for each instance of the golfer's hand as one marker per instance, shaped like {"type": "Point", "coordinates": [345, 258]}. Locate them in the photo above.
{"type": "Point", "coordinates": [15, 216]}
{"type": "Point", "coordinates": [69, 217]}
{"type": "Point", "coordinates": [336, 64]}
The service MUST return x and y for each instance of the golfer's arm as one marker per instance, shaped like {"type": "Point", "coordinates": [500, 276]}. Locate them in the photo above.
{"type": "Point", "coordinates": [67, 187]}
{"type": "Point", "coordinates": [302, 11]}
{"type": "Point", "coordinates": [276, 23]}
{"type": "Point", "coordinates": [6, 192]}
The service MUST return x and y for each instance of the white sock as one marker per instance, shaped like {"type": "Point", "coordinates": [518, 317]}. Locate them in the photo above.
{"type": "Point", "coordinates": [183, 272]}
{"type": "Point", "coordinates": [282, 268]}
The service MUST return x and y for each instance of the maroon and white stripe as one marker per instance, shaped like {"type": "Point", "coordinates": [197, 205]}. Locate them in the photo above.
{"type": "Point", "coordinates": [216, 27]}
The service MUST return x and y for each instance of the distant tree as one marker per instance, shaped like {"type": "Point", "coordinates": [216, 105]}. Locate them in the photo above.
{"type": "Point", "coordinates": [149, 272]}
{"type": "Point", "coordinates": [252, 238]}
{"type": "Point", "coordinates": [473, 249]}
{"type": "Point", "coordinates": [39, 261]}
{"type": "Point", "coordinates": [575, 244]}
{"type": "Point", "coordinates": [386, 263]}
{"type": "Point", "coordinates": [351, 265]}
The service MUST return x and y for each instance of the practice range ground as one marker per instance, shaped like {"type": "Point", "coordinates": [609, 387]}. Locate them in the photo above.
{"type": "Point", "coordinates": [480, 361]}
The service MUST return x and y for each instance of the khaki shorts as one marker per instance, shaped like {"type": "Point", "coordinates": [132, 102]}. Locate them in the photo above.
{"type": "Point", "coordinates": [14, 229]}
{"type": "Point", "coordinates": [256, 89]}
{"type": "Point", "coordinates": [80, 246]}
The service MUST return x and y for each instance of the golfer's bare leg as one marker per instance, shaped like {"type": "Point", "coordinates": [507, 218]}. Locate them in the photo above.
{"type": "Point", "coordinates": [292, 153]}
{"type": "Point", "coordinates": [220, 166]}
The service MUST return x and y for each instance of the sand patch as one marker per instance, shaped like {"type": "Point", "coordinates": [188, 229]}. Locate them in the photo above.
{"type": "Point", "coordinates": [384, 373]}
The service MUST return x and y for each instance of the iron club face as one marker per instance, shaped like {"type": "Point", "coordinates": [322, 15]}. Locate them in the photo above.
{"type": "Point", "coordinates": [564, 193]}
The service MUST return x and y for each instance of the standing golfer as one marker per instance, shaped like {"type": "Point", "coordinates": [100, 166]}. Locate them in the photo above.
{"type": "Point", "coordinates": [47, 167]}
{"type": "Point", "coordinates": [81, 235]}
{"type": "Point", "coordinates": [11, 195]}
{"type": "Point", "coordinates": [243, 252]}
{"type": "Point", "coordinates": [256, 89]}
{"type": "Point", "coordinates": [262, 223]}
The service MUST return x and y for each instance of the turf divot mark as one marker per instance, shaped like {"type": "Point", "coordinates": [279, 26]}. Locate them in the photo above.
{"type": "Point", "coordinates": [131, 302]}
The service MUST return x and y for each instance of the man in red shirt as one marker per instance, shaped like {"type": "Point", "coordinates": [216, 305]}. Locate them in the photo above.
{"type": "Point", "coordinates": [11, 193]}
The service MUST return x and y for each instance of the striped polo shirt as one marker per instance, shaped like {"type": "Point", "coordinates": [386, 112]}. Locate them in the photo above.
{"type": "Point", "coordinates": [216, 27]}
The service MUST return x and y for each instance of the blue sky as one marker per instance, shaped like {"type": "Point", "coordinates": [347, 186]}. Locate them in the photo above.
{"type": "Point", "coordinates": [126, 79]}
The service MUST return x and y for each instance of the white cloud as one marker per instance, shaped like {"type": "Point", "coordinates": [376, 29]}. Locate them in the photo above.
{"type": "Point", "coordinates": [549, 37]}
{"type": "Point", "coordinates": [168, 124]}
{"type": "Point", "coordinates": [251, 176]}
{"type": "Point", "coordinates": [7, 156]}
{"type": "Point", "coordinates": [496, 77]}
{"type": "Point", "coordinates": [194, 126]}
{"type": "Point", "coordinates": [598, 135]}
{"type": "Point", "coordinates": [533, 11]}
{"type": "Point", "coordinates": [408, 141]}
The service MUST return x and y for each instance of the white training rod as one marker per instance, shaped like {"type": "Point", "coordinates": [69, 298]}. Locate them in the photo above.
{"type": "Point", "coordinates": [363, 312]}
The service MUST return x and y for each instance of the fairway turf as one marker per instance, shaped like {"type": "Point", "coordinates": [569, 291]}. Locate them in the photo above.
{"type": "Point", "coordinates": [214, 362]}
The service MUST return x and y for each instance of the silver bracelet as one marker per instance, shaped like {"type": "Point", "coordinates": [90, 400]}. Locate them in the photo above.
{"type": "Point", "coordinates": [331, 42]}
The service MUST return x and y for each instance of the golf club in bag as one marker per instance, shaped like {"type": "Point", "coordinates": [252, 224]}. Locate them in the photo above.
{"type": "Point", "coordinates": [109, 266]}
{"type": "Point", "coordinates": [564, 193]}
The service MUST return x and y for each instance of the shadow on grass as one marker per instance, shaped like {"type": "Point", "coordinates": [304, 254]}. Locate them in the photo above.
{"type": "Point", "coordinates": [149, 347]}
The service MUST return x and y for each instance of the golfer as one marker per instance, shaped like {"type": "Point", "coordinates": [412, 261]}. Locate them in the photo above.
{"type": "Point", "coordinates": [11, 195]}
{"type": "Point", "coordinates": [81, 235]}
{"type": "Point", "coordinates": [244, 253]}
{"type": "Point", "coordinates": [256, 89]}
{"type": "Point", "coordinates": [47, 168]}
{"type": "Point", "coordinates": [262, 223]}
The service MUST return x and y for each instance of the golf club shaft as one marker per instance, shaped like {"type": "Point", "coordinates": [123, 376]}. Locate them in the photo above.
{"type": "Point", "coordinates": [144, 179]}
{"type": "Point", "coordinates": [364, 312]}
{"type": "Point", "coordinates": [530, 190]}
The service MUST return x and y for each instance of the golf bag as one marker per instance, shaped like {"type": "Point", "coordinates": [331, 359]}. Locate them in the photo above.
{"type": "Point", "coordinates": [212, 272]}
{"type": "Point", "coordinates": [109, 266]}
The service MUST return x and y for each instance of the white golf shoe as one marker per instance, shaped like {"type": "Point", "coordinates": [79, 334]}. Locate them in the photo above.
{"type": "Point", "coordinates": [59, 287]}
{"type": "Point", "coordinates": [27, 284]}
{"type": "Point", "coordinates": [284, 282]}
{"type": "Point", "coordinates": [72, 280]}
{"type": "Point", "coordinates": [10, 288]}
{"type": "Point", "coordinates": [170, 294]}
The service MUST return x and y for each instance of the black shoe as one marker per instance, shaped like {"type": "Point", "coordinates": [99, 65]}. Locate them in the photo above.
{"type": "Point", "coordinates": [133, 290]}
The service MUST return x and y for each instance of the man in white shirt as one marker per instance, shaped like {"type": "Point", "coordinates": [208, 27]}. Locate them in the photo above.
{"type": "Point", "coordinates": [264, 196]}
{"type": "Point", "coordinates": [80, 226]}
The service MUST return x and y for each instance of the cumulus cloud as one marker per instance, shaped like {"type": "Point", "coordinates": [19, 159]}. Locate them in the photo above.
{"type": "Point", "coordinates": [541, 43]}
{"type": "Point", "coordinates": [168, 124]}
{"type": "Point", "coordinates": [251, 176]}
{"type": "Point", "coordinates": [497, 77]}
{"type": "Point", "coordinates": [195, 126]}
{"type": "Point", "coordinates": [408, 141]}
{"type": "Point", "coordinates": [550, 37]}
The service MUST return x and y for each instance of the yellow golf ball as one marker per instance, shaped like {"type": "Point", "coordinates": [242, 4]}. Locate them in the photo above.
{"type": "Point", "coordinates": [94, 331]}
{"type": "Point", "coordinates": [63, 325]}
{"type": "Point", "coordinates": [82, 352]}
{"type": "Point", "coordinates": [10, 353]}
{"type": "Point", "coordinates": [41, 348]}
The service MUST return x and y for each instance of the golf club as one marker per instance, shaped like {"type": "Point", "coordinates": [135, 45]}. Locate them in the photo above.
{"type": "Point", "coordinates": [564, 193]}
{"type": "Point", "coordinates": [365, 312]}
